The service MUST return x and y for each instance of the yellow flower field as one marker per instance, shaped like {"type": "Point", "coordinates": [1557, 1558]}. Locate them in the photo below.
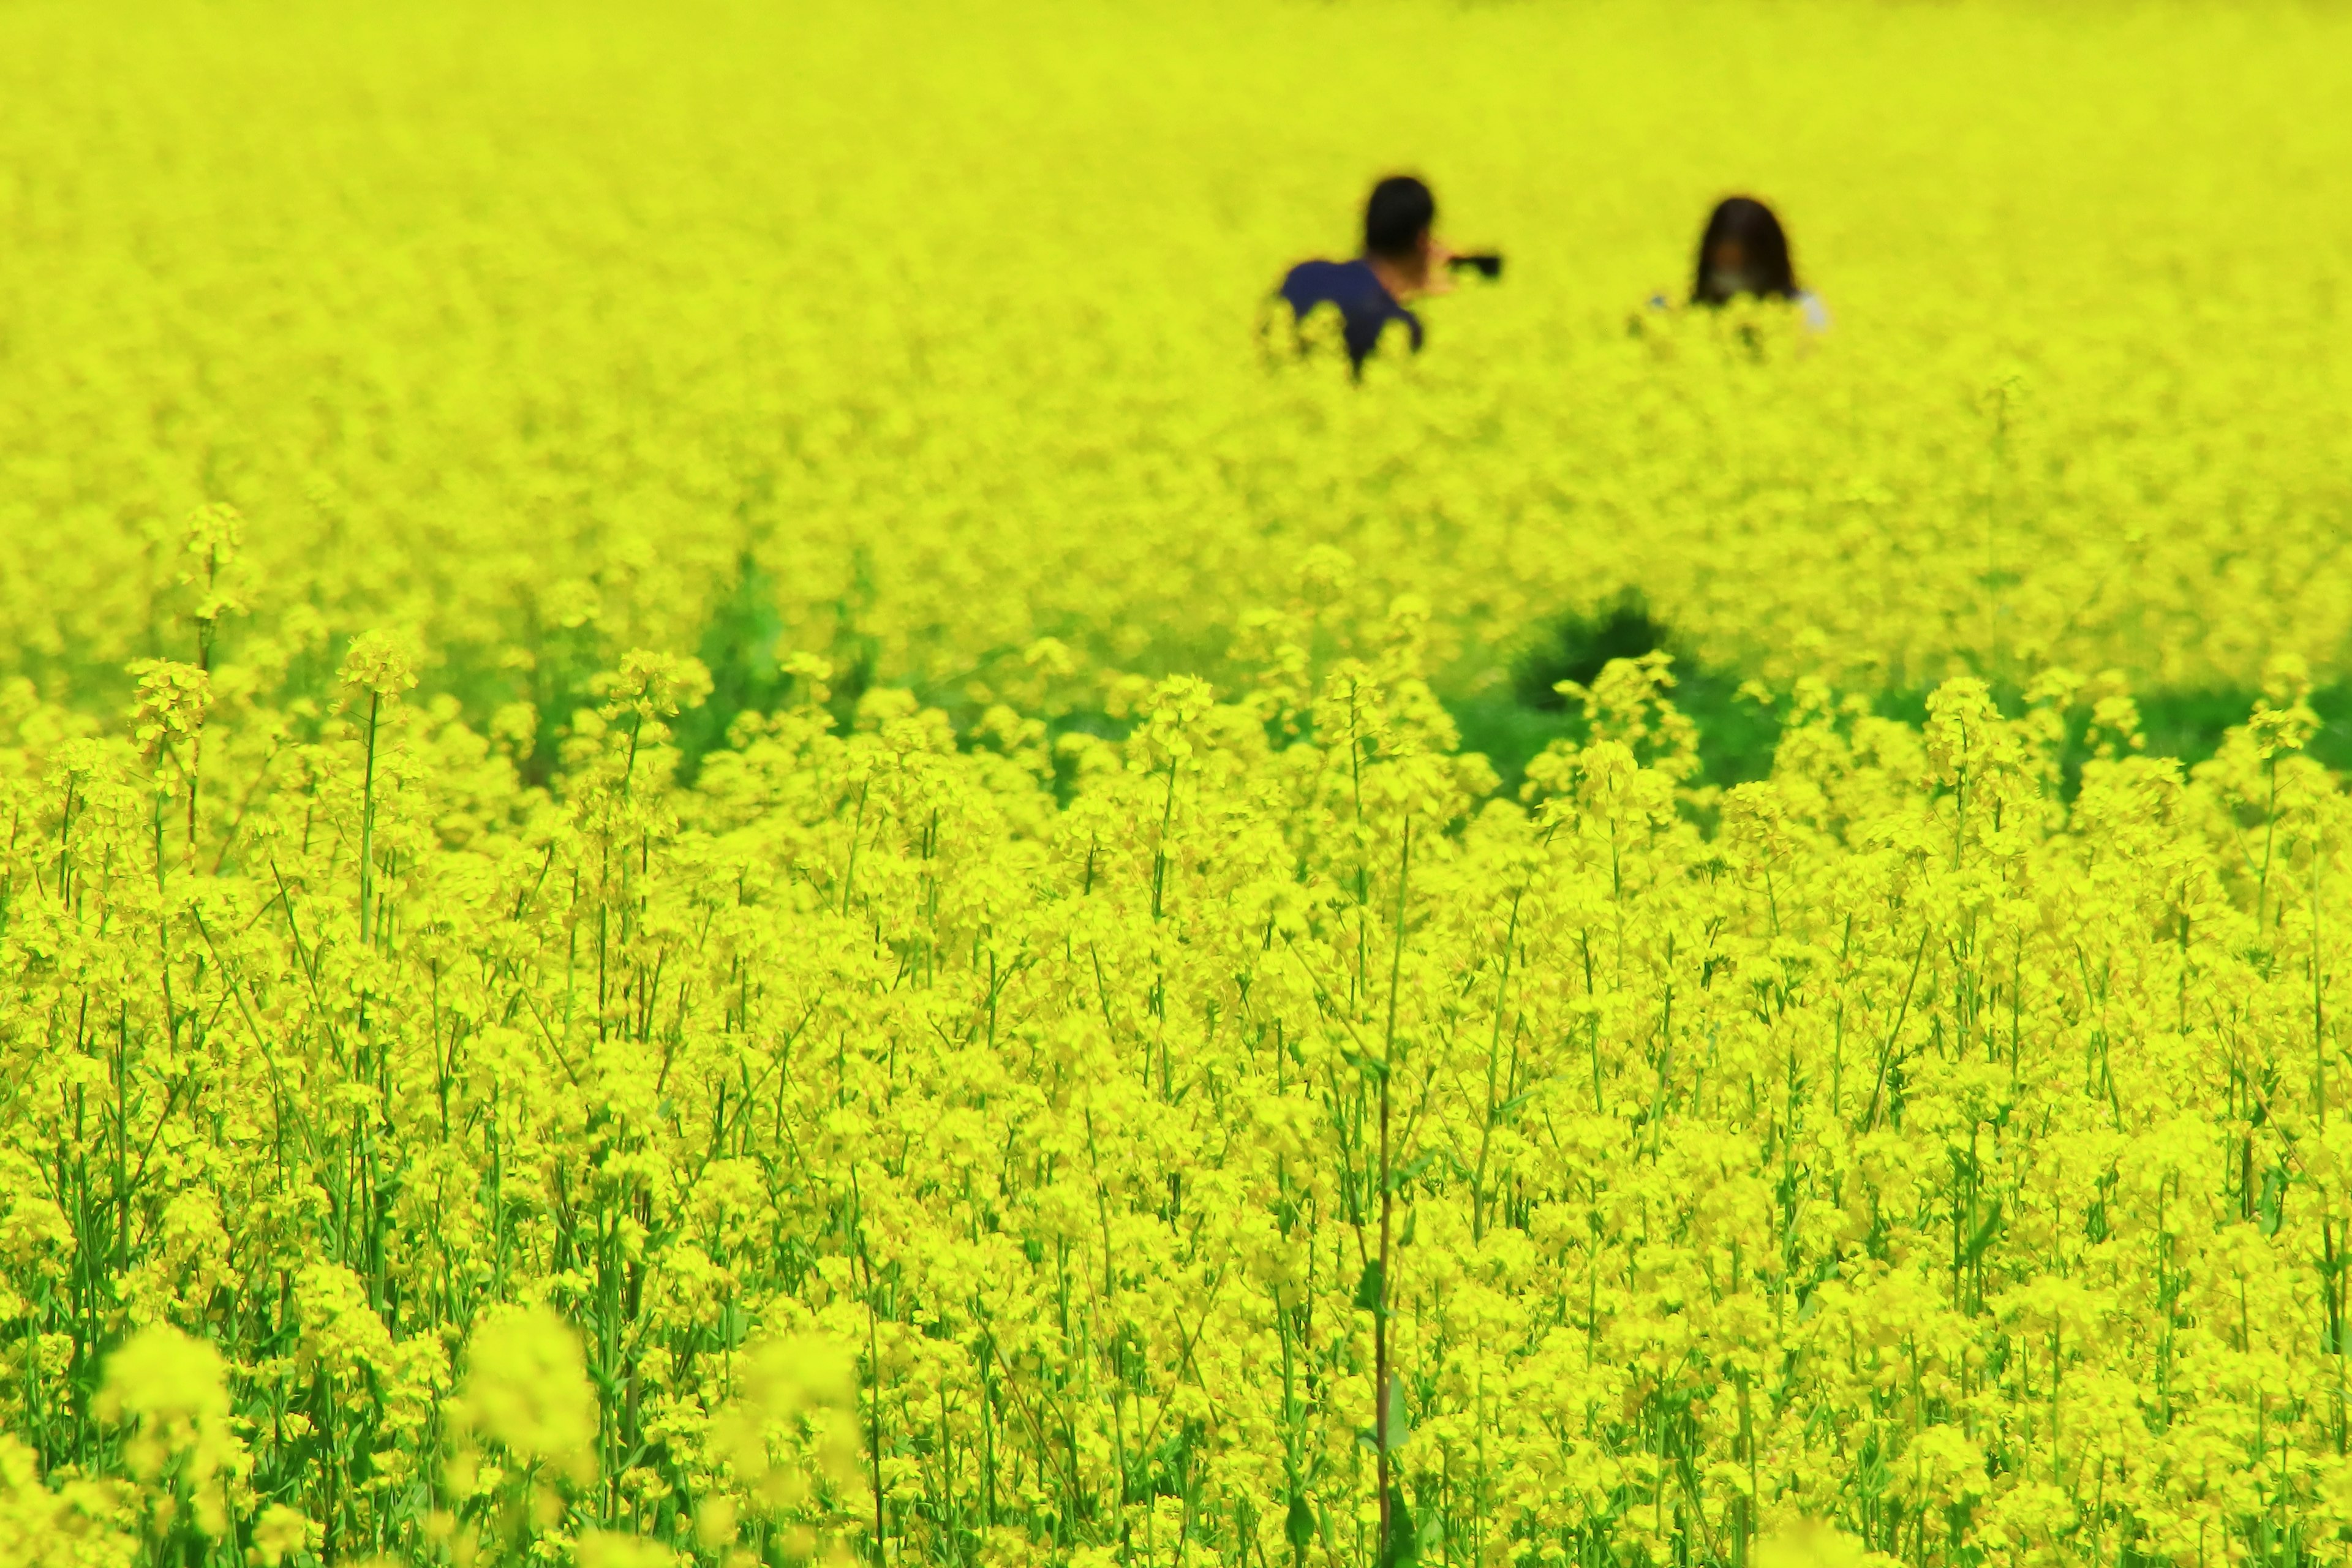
{"type": "Point", "coordinates": [734, 838]}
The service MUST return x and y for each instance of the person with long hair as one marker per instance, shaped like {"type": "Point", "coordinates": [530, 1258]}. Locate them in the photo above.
{"type": "Point", "coordinates": [1744, 251]}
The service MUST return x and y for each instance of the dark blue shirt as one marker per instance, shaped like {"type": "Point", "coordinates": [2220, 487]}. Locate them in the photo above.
{"type": "Point", "coordinates": [1364, 305]}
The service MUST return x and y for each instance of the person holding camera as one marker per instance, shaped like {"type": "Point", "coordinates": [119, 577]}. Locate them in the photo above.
{"type": "Point", "coordinates": [1404, 260]}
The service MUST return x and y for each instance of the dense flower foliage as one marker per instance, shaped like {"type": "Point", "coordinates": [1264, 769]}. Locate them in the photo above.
{"type": "Point", "coordinates": [549, 325]}
{"type": "Point", "coordinates": [1916, 1149]}
{"type": "Point", "coordinates": [1075, 1063]}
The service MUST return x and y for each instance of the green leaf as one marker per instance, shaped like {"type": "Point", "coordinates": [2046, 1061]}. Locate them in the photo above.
{"type": "Point", "coordinates": [1300, 1525]}
{"type": "Point", "coordinates": [2272, 1205]}
{"type": "Point", "coordinates": [1400, 1429]}
{"type": "Point", "coordinates": [1397, 1179]}
{"type": "Point", "coordinates": [1400, 1548]}
{"type": "Point", "coordinates": [1985, 1234]}
{"type": "Point", "coordinates": [1371, 1293]}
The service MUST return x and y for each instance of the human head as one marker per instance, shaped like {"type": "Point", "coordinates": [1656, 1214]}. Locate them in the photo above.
{"type": "Point", "coordinates": [1398, 220]}
{"type": "Point", "coordinates": [1743, 251]}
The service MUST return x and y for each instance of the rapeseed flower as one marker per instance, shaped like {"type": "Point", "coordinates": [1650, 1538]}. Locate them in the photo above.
{"type": "Point", "coordinates": [855, 921]}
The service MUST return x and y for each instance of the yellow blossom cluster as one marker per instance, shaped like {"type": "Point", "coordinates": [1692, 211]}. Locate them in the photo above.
{"type": "Point", "coordinates": [731, 841]}
{"type": "Point", "coordinates": [1253, 1138]}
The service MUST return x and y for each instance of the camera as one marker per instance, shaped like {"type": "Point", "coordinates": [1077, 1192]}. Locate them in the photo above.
{"type": "Point", "coordinates": [1487, 264]}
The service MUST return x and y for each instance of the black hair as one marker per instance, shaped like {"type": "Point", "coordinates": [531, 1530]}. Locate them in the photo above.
{"type": "Point", "coordinates": [1749, 223]}
{"type": "Point", "coordinates": [1399, 212]}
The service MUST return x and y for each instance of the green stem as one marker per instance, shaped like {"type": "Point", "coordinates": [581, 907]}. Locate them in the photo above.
{"type": "Point", "coordinates": [367, 827]}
